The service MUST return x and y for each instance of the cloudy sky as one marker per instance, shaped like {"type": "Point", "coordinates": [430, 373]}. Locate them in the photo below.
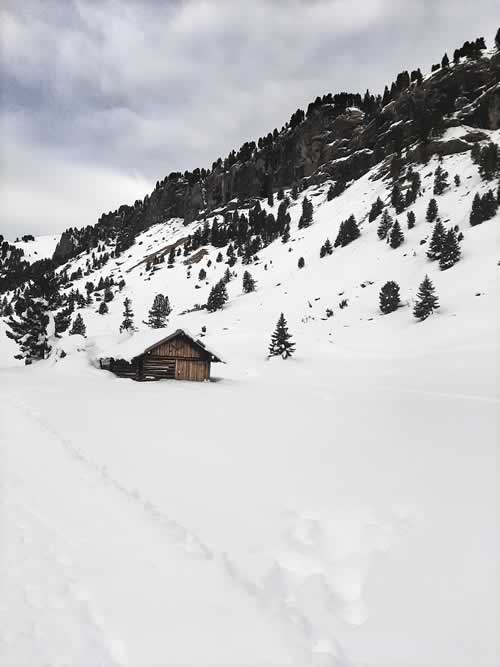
{"type": "Point", "coordinates": [101, 98]}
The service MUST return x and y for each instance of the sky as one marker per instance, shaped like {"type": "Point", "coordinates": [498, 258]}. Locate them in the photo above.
{"type": "Point", "coordinates": [101, 98]}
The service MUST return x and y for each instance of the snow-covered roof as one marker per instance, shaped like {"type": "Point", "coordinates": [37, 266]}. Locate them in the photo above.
{"type": "Point", "coordinates": [127, 346]}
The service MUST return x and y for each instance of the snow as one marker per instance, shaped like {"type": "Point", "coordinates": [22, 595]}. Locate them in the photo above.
{"type": "Point", "coordinates": [41, 248]}
{"type": "Point", "coordinates": [334, 509]}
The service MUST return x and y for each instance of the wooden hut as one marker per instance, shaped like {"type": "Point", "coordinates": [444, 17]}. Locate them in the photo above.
{"type": "Point", "coordinates": [178, 356]}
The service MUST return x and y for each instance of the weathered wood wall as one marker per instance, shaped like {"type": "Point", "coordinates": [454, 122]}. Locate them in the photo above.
{"type": "Point", "coordinates": [175, 359]}
{"type": "Point", "coordinates": [192, 370]}
{"type": "Point", "coordinates": [180, 348]}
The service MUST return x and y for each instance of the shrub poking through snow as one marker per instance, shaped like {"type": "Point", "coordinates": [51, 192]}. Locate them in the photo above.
{"type": "Point", "coordinates": [78, 327]}
{"type": "Point", "coordinates": [389, 297]}
{"type": "Point", "coordinates": [103, 308]}
{"type": "Point", "coordinates": [326, 248]}
{"type": "Point", "coordinates": [301, 263]}
{"type": "Point", "coordinates": [248, 283]}
{"type": "Point", "coordinates": [427, 301]}
{"type": "Point", "coordinates": [281, 343]}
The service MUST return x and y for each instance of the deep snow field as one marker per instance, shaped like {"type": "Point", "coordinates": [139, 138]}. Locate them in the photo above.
{"type": "Point", "coordinates": [334, 509]}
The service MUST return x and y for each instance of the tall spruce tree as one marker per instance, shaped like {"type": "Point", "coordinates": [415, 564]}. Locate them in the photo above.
{"type": "Point", "coordinates": [427, 301]}
{"type": "Point", "coordinates": [410, 217]}
{"type": "Point", "coordinates": [436, 242]}
{"type": "Point", "coordinates": [348, 232]}
{"type": "Point", "coordinates": [158, 313]}
{"type": "Point", "coordinates": [78, 327]}
{"type": "Point", "coordinates": [440, 180]}
{"type": "Point", "coordinates": [29, 331]}
{"type": "Point", "coordinates": [217, 297]}
{"type": "Point", "coordinates": [307, 213]}
{"type": "Point", "coordinates": [376, 209]}
{"type": "Point", "coordinates": [281, 343]}
{"type": "Point", "coordinates": [432, 211]}
{"type": "Point", "coordinates": [384, 225]}
{"type": "Point", "coordinates": [389, 297]}
{"type": "Point", "coordinates": [450, 251]}
{"type": "Point", "coordinates": [128, 317]}
{"type": "Point", "coordinates": [249, 284]}
{"type": "Point", "coordinates": [396, 236]}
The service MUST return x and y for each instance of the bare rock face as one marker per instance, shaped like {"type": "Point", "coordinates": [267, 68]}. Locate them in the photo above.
{"type": "Point", "coordinates": [329, 143]}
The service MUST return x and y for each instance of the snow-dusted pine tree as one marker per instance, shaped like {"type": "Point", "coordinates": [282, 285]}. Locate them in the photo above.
{"type": "Point", "coordinates": [281, 343]}
{"type": "Point", "coordinates": [427, 300]}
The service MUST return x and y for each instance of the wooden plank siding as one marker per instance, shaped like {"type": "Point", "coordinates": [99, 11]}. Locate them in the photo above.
{"type": "Point", "coordinates": [179, 358]}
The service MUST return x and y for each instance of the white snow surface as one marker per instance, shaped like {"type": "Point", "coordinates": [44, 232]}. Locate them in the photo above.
{"type": "Point", "coordinates": [335, 509]}
{"type": "Point", "coordinates": [41, 248]}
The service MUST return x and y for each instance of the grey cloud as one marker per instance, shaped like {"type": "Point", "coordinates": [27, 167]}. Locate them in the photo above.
{"type": "Point", "coordinates": [131, 90]}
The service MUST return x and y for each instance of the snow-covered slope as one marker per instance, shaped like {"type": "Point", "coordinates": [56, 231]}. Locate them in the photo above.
{"type": "Point", "coordinates": [334, 509]}
{"type": "Point", "coordinates": [42, 247]}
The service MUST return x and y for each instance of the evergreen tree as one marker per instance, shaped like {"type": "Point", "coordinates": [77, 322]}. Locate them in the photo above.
{"type": "Point", "coordinates": [476, 214]}
{"type": "Point", "coordinates": [128, 317]}
{"type": "Point", "coordinates": [497, 39]}
{"type": "Point", "coordinates": [108, 295]}
{"type": "Point", "coordinates": [294, 193]}
{"type": "Point", "coordinates": [410, 216]}
{"type": "Point", "coordinates": [475, 153]}
{"type": "Point", "coordinates": [281, 343]}
{"type": "Point", "coordinates": [29, 331]}
{"type": "Point", "coordinates": [217, 297]}
{"type": "Point", "coordinates": [301, 263]}
{"type": "Point", "coordinates": [326, 248]}
{"type": "Point", "coordinates": [427, 300]}
{"type": "Point", "coordinates": [450, 252]}
{"type": "Point", "coordinates": [376, 209]}
{"type": "Point", "coordinates": [286, 233]}
{"type": "Point", "coordinates": [103, 308]}
{"type": "Point", "coordinates": [158, 313]}
{"type": "Point", "coordinates": [202, 274]}
{"type": "Point", "coordinates": [227, 276]}
{"type": "Point", "coordinates": [335, 189]}
{"type": "Point", "coordinates": [62, 320]}
{"type": "Point", "coordinates": [397, 198]}
{"type": "Point", "coordinates": [445, 62]}
{"type": "Point", "coordinates": [440, 180]}
{"type": "Point", "coordinates": [396, 236]}
{"type": "Point", "coordinates": [348, 232]}
{"type": "Point", "coordinates": [78, 327]}
{"type": "Point", "coordinates": [436, 243]}
{"type": "Point", "coordinates": [389, 297]}
{"type": "Point", "coordinates": [432, 211]}
{"type": "Point", "coordinates": [489, 161]}
{"type": "Point", "coordinates": [307, 213]}
{"type": "Point", "coordinates": [249, 284]}
{"type": "Point", "coordinates": [457, 180]}
{"type": "Point", "coordinates": [171, 256]}
{"type": "Point", "coordinates": [384, 225]}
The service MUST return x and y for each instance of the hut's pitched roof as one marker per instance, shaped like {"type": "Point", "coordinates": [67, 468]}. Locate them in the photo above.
{"type": "Point", "coordinates": [130, 346]}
